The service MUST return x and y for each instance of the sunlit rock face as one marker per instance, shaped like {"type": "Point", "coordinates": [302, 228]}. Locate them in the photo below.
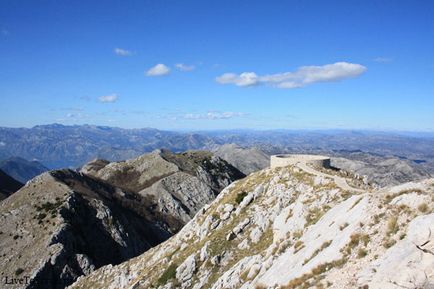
{"type": "Point", "coordinates": [291, 228]}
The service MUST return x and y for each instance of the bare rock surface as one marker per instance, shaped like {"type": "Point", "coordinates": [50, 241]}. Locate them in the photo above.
{"type": "Point", "coordinates": [65, 224]}
{"type": "Point", "coordinates": [247, 160]}
{"type": "Point", "coordinates": [285, 228]}
{"type": "Point", "coordinates": [382, 171]}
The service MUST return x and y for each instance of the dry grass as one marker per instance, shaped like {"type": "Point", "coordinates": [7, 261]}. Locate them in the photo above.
{"type": "Point", "coordinates": [315, 214]}
{"type": "Point", "coordinates": [317, 251]}
{"type": "Point", "coordinates": [423, 208]}
{"type": "Point", "coordinates": [362, 253]}
{"type": "Point", "coordinates": [392, 225]}
{"type": "Point", "coordinates": [315, 276]}
{"type": "Point", "coordinates": [387, 243]}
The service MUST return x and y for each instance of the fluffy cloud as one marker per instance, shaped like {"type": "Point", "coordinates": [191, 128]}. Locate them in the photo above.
{"type": "Point", "coordinates": [158, 70]}
{"type": "Point", "coordinates": [303, 76]}
{"type": "Point", "coordinates": [244, 79]}
{"type": "Point", "coordinates": [184, 67]}
{"type": "Point", "coordinates": [108, 98]}
{"type": "Point", "coordinates": [122, 52]}
{"type": "Point", "coordinates": [213, 115]}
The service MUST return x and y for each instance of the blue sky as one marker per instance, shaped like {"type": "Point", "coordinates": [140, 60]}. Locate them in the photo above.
{"type": "Point", "coordinates": [218, 64]}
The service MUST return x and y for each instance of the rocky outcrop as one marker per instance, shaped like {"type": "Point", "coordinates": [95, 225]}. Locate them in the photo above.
{"type": "Point", "coordinates": [173, 186]}
{"type": "Point", "coordinates": [291, 228]}
{"type": "Point", "coordinates": [381, 171]}
{"type": "Point", "coordinates": [64, 224]}
{"type": "Point", "coordinates": [247, 160]}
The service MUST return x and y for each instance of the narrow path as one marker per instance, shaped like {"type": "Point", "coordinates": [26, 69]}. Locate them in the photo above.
{"type": "Point", "coordinates": [340, 182]}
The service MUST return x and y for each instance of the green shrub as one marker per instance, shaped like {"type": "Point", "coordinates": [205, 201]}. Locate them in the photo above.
{"type": "Point", "coordinates": [170, 273]}
{"type": "Point", "coordinates": [240, 197]}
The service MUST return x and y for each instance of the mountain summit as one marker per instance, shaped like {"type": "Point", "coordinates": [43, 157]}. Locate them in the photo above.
{"type": "Point", "coordinates": [293, 227]}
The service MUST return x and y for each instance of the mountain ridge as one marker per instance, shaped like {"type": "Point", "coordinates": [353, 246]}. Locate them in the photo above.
{"type": "Point", "coordinates": [66, 223]}
{"type": "Point", "coordinates": [288, 228]}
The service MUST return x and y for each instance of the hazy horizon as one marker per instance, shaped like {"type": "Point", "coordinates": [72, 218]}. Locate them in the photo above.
{"type": "Point", "coordinates": [193, 130]}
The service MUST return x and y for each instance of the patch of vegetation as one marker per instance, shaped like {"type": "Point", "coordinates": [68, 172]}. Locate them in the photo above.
{"type": "Point", "coordinates": [343, 226]}
{"type": "Point", "coordinates": [41, 216]}
{"type": "Point", "coordinates": [423, 208]}
{"type": "Point", "coordinates": [49, 208]}
{"type": "Point", "coordinates": [389, 243]}
{"type": "Point", "coordinates": [313, 278]}
{"type": "Point", "coordinates": [355, 204]}
{"type": "Point", "coordinates": [283, 246]}
{"type": "Point", "coordinates": [298, 246]}
{"type": "Point", "coordinates": [240, 197]}
{"type": "Point", "coordinates": [355, 240]}
{"type": "Point", "coordinates": [297, 234]}
{"type": "Point", "coordinates": [317, 251]}
{"type": "Point", "coordinates": [315, 214]}
{"type": "Point", "coordinates": [167, 275]}
{"type": "Point", "coordinates": [392, 225]}
{"type": "Point", "coordinates": [389, 198]}
{"type": "Point", "coordinates": [362, 253]}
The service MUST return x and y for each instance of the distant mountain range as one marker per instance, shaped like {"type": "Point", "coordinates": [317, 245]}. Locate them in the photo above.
{"type": "Point", "coordinates": [58, 146]}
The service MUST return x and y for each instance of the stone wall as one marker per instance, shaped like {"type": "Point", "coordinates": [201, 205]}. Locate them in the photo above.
{"type": "Point", "coordinates": [317, 161]}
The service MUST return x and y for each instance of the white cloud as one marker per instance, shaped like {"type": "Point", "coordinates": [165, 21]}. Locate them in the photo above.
{"type": "Point", "coordinates": [213, 115]}
{"type": "Point", "coordinates": [383, 59]}
{"type": "Point", "coordinates": [303, 76]}
{"type": "Point", "coordinates": [184, 67]}
{"type": "Point", "coordinates": [158, 70]}
{"type": "Point", "coordinates": [108, 98]}
{"type": "Point", "coordinates": [244, 79]}
{"type": "Point", "coordinates": [122, 52]}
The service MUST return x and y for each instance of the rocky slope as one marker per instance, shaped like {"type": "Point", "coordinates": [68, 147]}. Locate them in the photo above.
{"type": "Point", "coordinates": [174, 186]}
{"type": "Point", "coordinates": [247, 160]}
{"type": "Point", "coordinates": [63, 224]}
{"type": "Point", "coordinates": [290, 228]}
{"type": "Point", "coordinates": [22, 170]}
{"type": "Point", "coordinates": [381, 171]}
{"type": "Point", "coordinates": [8, 185]}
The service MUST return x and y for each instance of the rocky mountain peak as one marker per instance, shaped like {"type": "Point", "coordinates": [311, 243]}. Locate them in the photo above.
{"type": "Point", "coordinates": [65, 223]}
{"type": "Point", "coordinates": [293, 227]}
